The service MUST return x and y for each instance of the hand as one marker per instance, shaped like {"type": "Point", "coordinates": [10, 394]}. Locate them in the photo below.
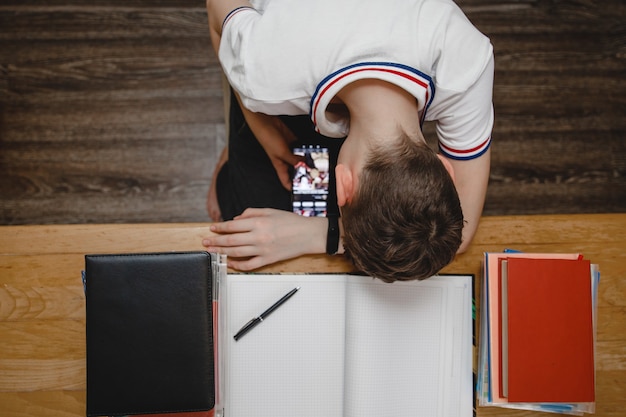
{"type": "Point", "coordinates": [259, 237]}
{"type": "Point", "coordinates": [275, 138]}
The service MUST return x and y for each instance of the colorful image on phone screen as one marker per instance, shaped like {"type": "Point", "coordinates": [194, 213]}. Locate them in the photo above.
{"type": "Point", "coordinates": [310, 181]}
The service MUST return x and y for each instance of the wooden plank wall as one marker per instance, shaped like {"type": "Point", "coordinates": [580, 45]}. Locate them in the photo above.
{"type": "Point", "coordinates": [560, 102]}
{"type": "Point", "coordinates": [111, 110]}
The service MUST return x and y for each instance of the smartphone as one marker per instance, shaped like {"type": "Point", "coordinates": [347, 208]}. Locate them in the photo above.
{"type": "Point", "coordinates": [310, 181]}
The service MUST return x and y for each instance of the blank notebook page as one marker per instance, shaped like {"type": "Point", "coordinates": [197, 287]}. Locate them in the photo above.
{"type": "Point", "coordinates": [405, 355]}
{"type": "Point", "coordinates": [291, 364]}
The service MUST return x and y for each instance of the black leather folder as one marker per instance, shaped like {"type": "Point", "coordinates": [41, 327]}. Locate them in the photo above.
{"type": "Point", "coordinates": [149, 329]}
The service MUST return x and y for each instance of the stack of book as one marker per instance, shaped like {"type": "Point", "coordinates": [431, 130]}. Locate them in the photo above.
{"type": "Point", "coordinates": [537, 333]}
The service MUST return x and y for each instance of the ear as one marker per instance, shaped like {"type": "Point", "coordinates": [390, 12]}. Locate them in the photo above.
{"type": "Point", "coordinates": [448, 166]}
{"type": "Point", "coordinates": [345, 184]}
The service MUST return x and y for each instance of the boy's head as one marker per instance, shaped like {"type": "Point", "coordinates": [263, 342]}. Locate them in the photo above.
{"type": "Point", "coordinates": [404, 220]}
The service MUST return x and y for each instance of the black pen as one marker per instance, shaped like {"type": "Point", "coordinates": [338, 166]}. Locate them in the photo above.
{"type": "Point", "coordinates": [252, 323]}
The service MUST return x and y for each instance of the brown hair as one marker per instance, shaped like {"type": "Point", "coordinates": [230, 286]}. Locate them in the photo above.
{"type": "Point", "coordinates": [405, 220]}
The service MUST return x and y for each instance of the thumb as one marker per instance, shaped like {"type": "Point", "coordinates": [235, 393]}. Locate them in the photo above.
{"type": "Point", "coordinates": [283, 172]}
{"type": "Point", "coordinates": [287, 160]}
{"type": "Point", "coordinates": [291, 159]}
{"type": "Point", "coordinates": [285, 177]}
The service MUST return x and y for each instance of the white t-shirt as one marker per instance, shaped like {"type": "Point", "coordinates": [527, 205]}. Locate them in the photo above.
{"type": "Point", "coordinates": [287, 57]}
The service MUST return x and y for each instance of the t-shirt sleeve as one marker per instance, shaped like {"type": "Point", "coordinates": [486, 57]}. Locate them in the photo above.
{"type": "Point", "coordinates": [235, 45]}
{"type": "Point", "coordinates": [464, 90]}
{"type": "Point", "coordinates": [466, 118]}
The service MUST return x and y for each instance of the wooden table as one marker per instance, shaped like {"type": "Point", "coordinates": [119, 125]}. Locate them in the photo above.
{"type": "Point", "coordinates": [42, 305]}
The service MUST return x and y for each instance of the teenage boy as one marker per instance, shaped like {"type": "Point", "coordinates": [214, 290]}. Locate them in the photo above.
{"type": "Point", "coordinates": [373, 72]}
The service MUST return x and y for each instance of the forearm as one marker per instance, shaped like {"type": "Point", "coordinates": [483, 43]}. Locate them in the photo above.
{"type": "Point", "coordinates": [261, 125]}
{"type": "Point", "coordinates": [472, 178]}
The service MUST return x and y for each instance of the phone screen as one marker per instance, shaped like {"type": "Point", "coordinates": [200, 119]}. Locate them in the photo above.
{"type": "Point", "coordinates": [310, 181]}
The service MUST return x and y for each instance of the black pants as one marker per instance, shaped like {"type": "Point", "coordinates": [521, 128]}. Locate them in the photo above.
{"type": "Point", "coordinates": [249, 179]}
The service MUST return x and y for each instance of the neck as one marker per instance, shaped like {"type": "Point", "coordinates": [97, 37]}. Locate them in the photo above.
{"type": "Point", "coordinates": [380, 111]}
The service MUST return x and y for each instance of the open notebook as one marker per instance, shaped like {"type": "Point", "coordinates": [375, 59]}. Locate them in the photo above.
{"type": "Point", "coordinates": [346, 346]}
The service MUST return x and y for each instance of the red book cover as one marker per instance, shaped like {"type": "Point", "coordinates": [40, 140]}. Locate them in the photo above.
{"type": "Point", "coordinates": [550, 331]}
{"type": "Point", "coordinates": [493, 285]}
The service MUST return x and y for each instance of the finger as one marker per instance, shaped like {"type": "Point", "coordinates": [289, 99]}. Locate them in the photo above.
{"type": "Point", "coordinates": [254, 212]}
{"type": "Point", "coordinates": [282, 170]}
{"type": "Point", "coordinates": [229, 240]}
{"type": "Point", "coordinates": [285, 179]}
{"type": "Point", "coordinates": [249, 264]}
{"type": "Point", "coordinates": [291, 159]}
{"type": "Point", "coordinates": [299, 158]}
{"type": "Point", "coordinates": [239, 225]}
{"type": "Point", "coordinates": [236, 252]}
